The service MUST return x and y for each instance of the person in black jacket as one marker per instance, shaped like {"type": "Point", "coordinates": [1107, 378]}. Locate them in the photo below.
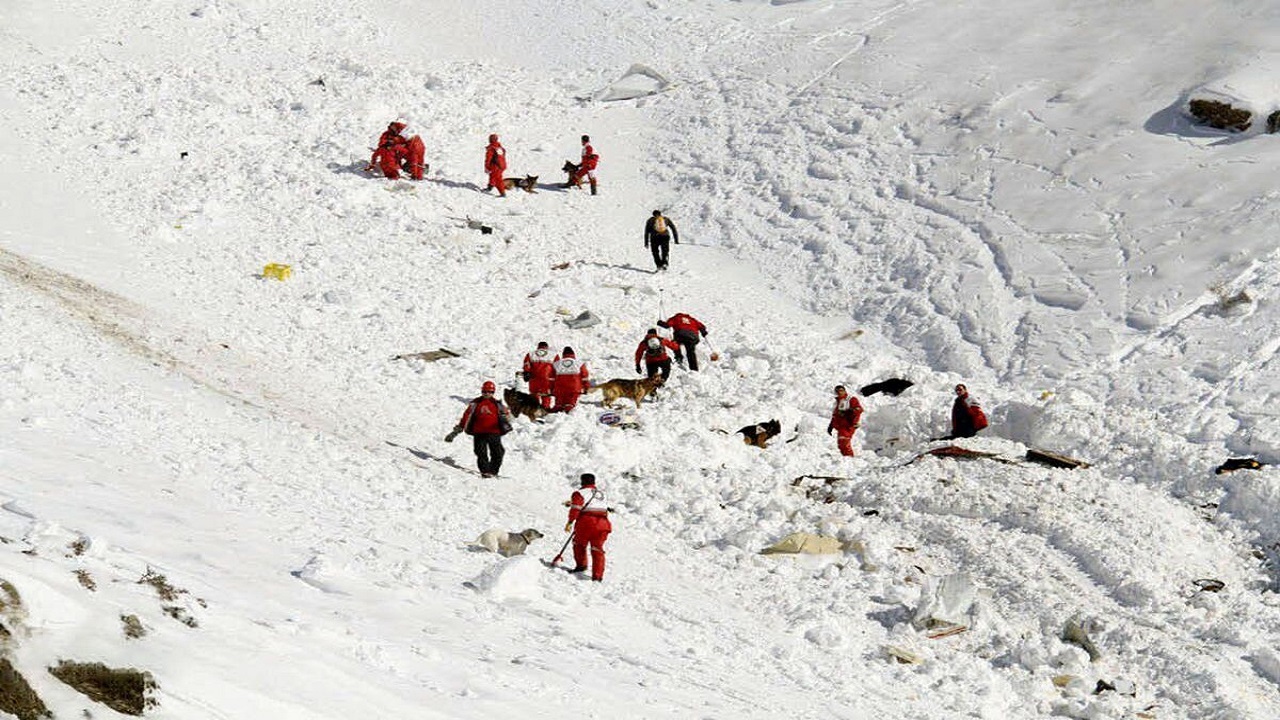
{"type": "Point", "coordinates": [659, 231]}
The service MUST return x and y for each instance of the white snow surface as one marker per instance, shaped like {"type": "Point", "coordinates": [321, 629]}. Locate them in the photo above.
{"type": "Point", "coordinates": [1004, 194]}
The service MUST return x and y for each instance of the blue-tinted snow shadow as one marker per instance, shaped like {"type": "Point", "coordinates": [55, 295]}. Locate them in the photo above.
{"type": "Point", "coordinates": [1172, 121]}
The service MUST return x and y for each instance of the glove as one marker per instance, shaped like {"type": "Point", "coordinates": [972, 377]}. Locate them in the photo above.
{"type": "Point", "coordinates": [637, 368]}
{"type": "Point", "coordinates": [704, 333]}
{"type": "Point", "coordinates": [646, 244]}
{"type": "Point", "coordinates": [452, 434]}
{"type": "Point", "coordinates": [568, 527]}
{"type": "Point", "coordinates": [830, 428]}
{"type": "Point", "coordinates": [526, 376]}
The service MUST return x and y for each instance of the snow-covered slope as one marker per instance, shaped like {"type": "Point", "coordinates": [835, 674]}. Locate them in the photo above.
{"type": "Point", "coordinates": [1001, 194]}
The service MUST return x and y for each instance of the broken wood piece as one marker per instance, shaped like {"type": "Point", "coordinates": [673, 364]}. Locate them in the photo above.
{"type": "Point", "coordinates": [1233, 464]}
{"type": "Point", "coordinates": [902, 655]}
{"type": "Point", "coordinates": [1044, 457]}
{"type": "Point", "coordinates": [1209, 584]}
{"type": "Point", "coordinates": [429, 355]}
{"type": "Point", "coordinates": [946, 631]}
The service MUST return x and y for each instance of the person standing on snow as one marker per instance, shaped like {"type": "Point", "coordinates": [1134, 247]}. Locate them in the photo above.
{"type": "Point", "coordinates": [589, 523]}
{"type": "Point", "coordinates": [539, 371]}
{"type": "Point", "coordinates": [486, 420]}
{"type": "Point", "coordinates": [659, 231]}
{"type": "Point", "coordinates": [399, 148]}
{"type": "Point", "coordinates": [846, 416]}
{"type": "Point", "coordinates": [653, 348]}
{"type": "Point", "coordinates": [495, 164]}
{"type": "Point", "coordinates": [571, 380]}
{"type": "Point", "coordinates": [686, 330]}
{"type": "Point", "coordinates": [586, 166]}
{"type": "Point", "coordinates": [967, 417]}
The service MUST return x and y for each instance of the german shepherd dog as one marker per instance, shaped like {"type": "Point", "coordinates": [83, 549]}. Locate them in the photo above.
{"type": "Point", "coordinates": [570, 169]}
{"type": "Point", "coordinates": [760, 434]}
{"type": "Point", "coordinates": [637, 390]}
{"type": "Point", "coordinates": [522, 403]}
{"type": "Point", "coordinates": [528, 183]}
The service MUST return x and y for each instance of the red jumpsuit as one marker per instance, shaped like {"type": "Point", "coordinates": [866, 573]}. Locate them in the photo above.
{"type": "Point", "coordinates": [539, 372]}
{"type": "Point", "coordinates": [967, 417]}
{"type": "Point", "coordinates": [398, 148]}
{"type": "Point", "coordinates": [587, 166]}
{"type": "Point", "coordinates": [495, 164]}
{"type": "Point", "coordinates": [592, 527]}
{"type": "Point", "coordinates": [570, 381]}
{"type": "Point", "coordinates": [656, 360]}
{"type": "Point", "coordinates": [845, 418]}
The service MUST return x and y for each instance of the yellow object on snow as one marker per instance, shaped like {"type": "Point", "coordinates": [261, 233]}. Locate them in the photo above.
{"type": "Point", "coordinates": [801, 543]}
{"type": "Point", "coordinates": [277, 271]}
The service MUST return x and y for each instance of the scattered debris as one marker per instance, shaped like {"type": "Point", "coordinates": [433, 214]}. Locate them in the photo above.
{"type": "Point", "coordinates": [133, 628]}
{"type": "Point", "coordinates": [124, 690]}
{"type": "Point", "coordinates": [637, 82]}
{"type": "Point", "coordinates": [1064, 680]}
{"type": "Point", "coordinates": [78, 546]}
{"type": "Point", "coordinates": [16, 696]}
{"type": "Point", "coordinates": [167, 592]}
{"type": "Point", "coordinates": [585, 319]}
{"type": "Point", "coordinates": [561, 266]}
{"type": "Point", "coordinates": [477, 225]}
{"type": "Point", "coordinates": [1044, 457]}
{"type": "Point", "coordinates": [959, 453]}
{"type": "Point", "coordinates": [902, 655]}
{"type": "Point", "coordinates": [1209, 584]}
{"type": "Point", "coordinates": [319, 82]}
{"type": "Point", "coordinates": [947, 607]}
{"type": "Point", "coordinates": [1076, 633]}
{"type": "Point", "coordinates": [86, 580]}
{"type": "Point", "coordinates": [429, 355]}
{"type": "Point", "coordinates": [892, 386]}
{"type": "Point", "coordinates": [1102, 687]}
{"type": "Point", "coordinates": [1233, 464]}
{"type": "Point", "coordinates": [279, 271]}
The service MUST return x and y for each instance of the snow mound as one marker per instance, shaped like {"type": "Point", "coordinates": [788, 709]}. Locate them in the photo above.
{"type": "Point", "coordinates": [637, 82]}
{"type": "Point", "coordinates": [514, 579]}
{"type": "Point", "coordinates": [1247, 100]}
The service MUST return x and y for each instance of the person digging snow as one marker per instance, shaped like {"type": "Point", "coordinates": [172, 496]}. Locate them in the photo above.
{"type": "Point", "coordinates": [539, 371]}
{"type": "Point", "coordinates": [846, 416]}
{"type": "Point", "coordinates": [653, 349]}
{"type": "Point", "coordinates": [495, 164]}
{"type": "Point", "coordinates": [967, 417]}
{"type": "Point", "coordinates": [659, 231]}
{"type": "Point", "coordinates": [486, 420]}
{"type": "Point", "coordinates": [571, 380]}
{"type": "Point", "coordinates": [686, 330]}
{"type": "Point", "coordinates": [589, 523]}
{"type": "Point", "coordinates": [399, 149]}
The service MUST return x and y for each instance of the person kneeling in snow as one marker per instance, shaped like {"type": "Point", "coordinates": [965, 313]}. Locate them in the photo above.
{"type": "Point", "coordinates": [398, 149]}
{"type": "Point", "coordinates": [486, 420]}
{"type": "Point", "coordinates": [967, 417]}
{"type": "Point", "coordinates": [846, 416]}
{"type": "Point", "coordinates": [571, 380]}
{"type": "Point", "coordinates": [589, 523]}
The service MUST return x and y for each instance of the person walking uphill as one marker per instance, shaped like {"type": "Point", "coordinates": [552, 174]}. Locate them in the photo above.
{"type": "Point", "coordinates": [486, 420]}
{"type": "Point", "coordinates": [653, 348]}
{"type": "Point", "coordinates": [659, 231]}
{"type": "Point", "coordinates": [495, 164]}
{"type": "Point", "coordinates": [589, 522]}
{"type": "Point", "coordinates": [686, 330]}
{"type": "Point", "coordinates": [539, 371]}
{"type": "Point", "coordinates": [967, 417]}
{"type": "Point", "coordinates": [571, 380]}
{"type": "Point", "coordinates": [846, 416]}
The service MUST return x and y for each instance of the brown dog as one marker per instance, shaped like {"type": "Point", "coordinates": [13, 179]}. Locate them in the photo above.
{"type": "Point", "coordinates": [522, 403]}
{"type": "Point", "coordinates": [760, 433]}
{"type": "Point", "coordinates": [528, 183]}
{"type": "Point", "coordinates": [637, 390]}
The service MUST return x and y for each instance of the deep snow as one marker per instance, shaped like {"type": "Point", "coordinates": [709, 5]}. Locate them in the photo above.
{"type": "Point", "coordinates": [1002, 194]}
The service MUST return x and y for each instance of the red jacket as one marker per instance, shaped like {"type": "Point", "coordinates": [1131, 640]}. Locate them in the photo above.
{"type": "Point", "coordinates": [655, 355]}
{"type": "Point", "coordinates": [540, 368]}
{"type": "Point", "coordinates": [846, 414]}
{"type": "Point", "coordinates": [686, 323]}
{"type": "Point", "coordinates": [495, 157]}
{"type": "Point", "coordinates": [485, 416]}
{"type": "Point", "coordinates": [390, 141]}
{"type": "Point", "coordinates": [589, 158]}
{"type": "Point", "coordinates": [588, 503]}
{"type": "Point", "coordinates": [571, 376]}
{"type": "Point", "coordinates": [967, 417]}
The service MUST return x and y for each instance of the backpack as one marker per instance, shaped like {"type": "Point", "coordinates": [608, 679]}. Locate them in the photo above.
{"type": "Point", "coordinates": [660, 225]}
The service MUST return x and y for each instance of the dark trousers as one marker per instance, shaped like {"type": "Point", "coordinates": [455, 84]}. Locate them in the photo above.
{"type": "Point", "coordinates": [489, 452]}
{"type": "Point", "coordinates": [660, 246]}
{"type": "Point", "coordinates": [662, 366]}
{"type": "Point", "coordinates": [688, 341]}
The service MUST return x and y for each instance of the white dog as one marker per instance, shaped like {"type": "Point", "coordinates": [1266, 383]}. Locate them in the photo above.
{"type": "Point", "coordinates": [505, 543]}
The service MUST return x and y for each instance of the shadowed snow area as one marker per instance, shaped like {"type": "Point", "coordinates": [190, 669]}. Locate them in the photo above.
{"type": "Point", "coordinates": [1008, 195]}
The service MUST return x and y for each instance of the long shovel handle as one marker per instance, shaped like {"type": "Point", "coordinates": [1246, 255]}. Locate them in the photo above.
{"type": "Point", "coordinates": [560, 555]}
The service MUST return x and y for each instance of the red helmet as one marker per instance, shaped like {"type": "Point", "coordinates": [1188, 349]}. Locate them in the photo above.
{"type": "Point", "coordinates": [488, 387]}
